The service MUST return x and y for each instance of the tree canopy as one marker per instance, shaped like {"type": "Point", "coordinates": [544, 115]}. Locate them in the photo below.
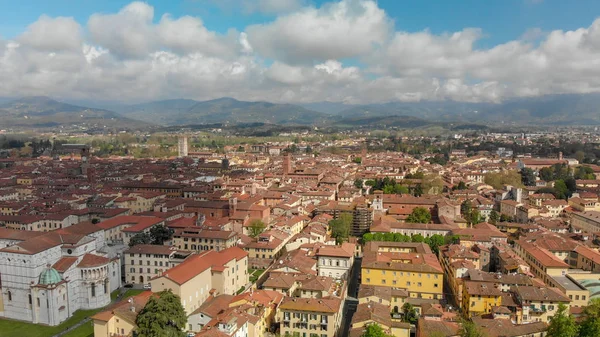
{"type": "Point", "coordinates": [160, 234]}
{"type": "Point", "coordinates": [590, 326]}
{"type": "Point", "coordinates": [499, 179]}
{"type": "Point", "coordinates": [469, 329]}
{"type": "Point", "coordinates": [494, 217]}
{"type": "Point", "coordinates": [157, 236]}
{"type": "Point", "coordinates": [419, 215]}
{"type": "Point", "coordinates": [431, 184]}
{"type": "Point", "coordinates": [162, 316]}
{"type": "Point", "coordinates": [375, 330]}
{"type": "Point", "coordinates": [140, 239]}
{"type": "Point", "coordinates": [555, 172]}
{"type": "Point", "coordinates": [527, 176]}
{"type": "Point", "coordinates": [358, 183]}
{"type": "Point", "coordinates": [256, 227]}
{"type": "Point", "coordinates": [387, 185]}
{"type": "Point", "coordinates": [434, 241]}
{"type": "Point", "coordinates": [562, 323]}
{"type": "Point", "coordinates": [585, 173]}
{"type": "Point", "coordinates": [340, 227]}
{"type": "Point", "coordinates": [409, 314]}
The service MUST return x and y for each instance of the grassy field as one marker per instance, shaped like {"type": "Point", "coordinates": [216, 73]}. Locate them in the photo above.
{"type": "Point", "coordinates": [23, 329]}
{"type": "Point", "coordinates": [132, 292]}
{"type": "Point", "coordinates": [255, 274]}
{"type": "Point", "coordinates": [86, 330]}
{"type": "Point", "coordinates": [129, 292]}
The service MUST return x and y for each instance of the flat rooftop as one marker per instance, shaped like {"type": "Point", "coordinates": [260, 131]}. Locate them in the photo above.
{"type": "Point", "coordinates": [568, 283]}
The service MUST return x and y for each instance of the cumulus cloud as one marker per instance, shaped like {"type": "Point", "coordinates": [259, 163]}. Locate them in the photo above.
{"type": "Point", "coordinates": [128, 33]}
{"type": "Point", "coordinates": [301, 56]}
{"type": "Point", "coordinates": [338, 30]}
{"type": "Point", "coordinates": [52, 34]}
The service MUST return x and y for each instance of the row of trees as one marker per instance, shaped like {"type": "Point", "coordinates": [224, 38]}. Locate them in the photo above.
{"type": "Point", "coordinates": [387, 185]}
{"type": "Point", "coordinates": [434, 241]}
{"type": "Point", "coordinates": [564, 179]}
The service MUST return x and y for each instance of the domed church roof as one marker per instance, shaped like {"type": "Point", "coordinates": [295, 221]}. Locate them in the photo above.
{"type": "Point", "coordinates": [49, 276]}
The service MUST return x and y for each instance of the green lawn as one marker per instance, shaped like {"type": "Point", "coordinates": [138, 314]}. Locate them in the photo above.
{"type": "Point", "coordinates": [128, 292]}
{"type": "Point", "coordinates": [132, 292]}
{"type": "Point", "coordinates": [114, 294]}
{"type": "Point", "coordinates": [255, 274]}
{"type": "Point", "coordinates": [86, 330]}
{"type": "Point", "coordinates": [23, 329]}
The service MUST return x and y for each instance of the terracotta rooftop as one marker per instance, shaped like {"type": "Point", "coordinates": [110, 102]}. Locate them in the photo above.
{"type": "Point", "coordinates": [91, 260]}
{"type": "Point", "coordinates": [199, 263]}
{"type": "Point", "coordinates": [325, 305]}
{"type": "Point", "coordinates": [64, 263]}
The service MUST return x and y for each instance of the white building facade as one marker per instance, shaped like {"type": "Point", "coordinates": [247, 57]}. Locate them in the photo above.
{"type": "Point", "coordinates": [46, 278]}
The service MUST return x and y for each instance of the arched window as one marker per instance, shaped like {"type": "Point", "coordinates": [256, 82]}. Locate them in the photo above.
{"type": "Point", "coordinates": [93, 289]}
{"type": "Point", "coordinates": [9, 296]}
{"type": "Point", "coordinates": [30, 300]}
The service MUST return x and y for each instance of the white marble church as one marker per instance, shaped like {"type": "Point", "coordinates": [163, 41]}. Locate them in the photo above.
{"type": "Point", "coordinates": [45, 277]}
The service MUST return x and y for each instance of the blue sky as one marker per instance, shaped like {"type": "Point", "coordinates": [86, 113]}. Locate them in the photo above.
{"type": "Point", "coordinates": [501, 20]}
{"type": "Point", "coordinates": [299, 51]}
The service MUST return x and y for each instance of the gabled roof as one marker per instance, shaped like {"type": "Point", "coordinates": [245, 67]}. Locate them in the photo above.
{"type": "Point", "coordinates": [197, 264]}
{"type": "Point", "coordinates": [92, 260]}
{"type": "Point", "coordinates": [64, 263]}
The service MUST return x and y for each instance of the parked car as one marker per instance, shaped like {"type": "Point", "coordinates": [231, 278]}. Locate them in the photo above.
{"type": "Point", "coordinates": [148, 286]}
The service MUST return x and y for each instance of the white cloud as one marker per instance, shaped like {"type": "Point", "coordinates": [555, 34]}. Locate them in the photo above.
{"type": "Point", "coordinates": [188, 34]}
{"type": "Point", "coordinates": [339, 30]}
{"type": "Point", "coordinates": [129, 33]}
{"type": "Point", "coordinates": [300, 57]}
{"type": "Point", "coordinates": [52, 34]}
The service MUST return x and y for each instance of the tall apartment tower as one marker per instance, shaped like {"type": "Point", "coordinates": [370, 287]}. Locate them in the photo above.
{"type": "Point", "coordinates": [183, 147]}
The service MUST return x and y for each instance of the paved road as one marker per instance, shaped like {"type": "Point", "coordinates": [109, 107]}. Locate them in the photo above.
{"type": "Point", "coordinates": [354, 276]}
{"type": "Point", "coordinates": [351, 303]}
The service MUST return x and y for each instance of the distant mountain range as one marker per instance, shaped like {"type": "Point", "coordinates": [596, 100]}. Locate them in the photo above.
{"type": "Point", "coordinates": [43, 112]}
{"type": "Point", "coordinates": [222, 110]}
{"type": "Point", "coordinates": [543, 110]}
{"type": "Point", "coordinates": [33, 112]}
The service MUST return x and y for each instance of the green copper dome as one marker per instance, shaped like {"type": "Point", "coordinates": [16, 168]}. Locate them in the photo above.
{"type": "Point", "coordinates": [50, 276]}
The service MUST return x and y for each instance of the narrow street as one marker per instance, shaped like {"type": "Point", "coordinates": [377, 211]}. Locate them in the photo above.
{"type": "Point", "coordinates": [351, 302]}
